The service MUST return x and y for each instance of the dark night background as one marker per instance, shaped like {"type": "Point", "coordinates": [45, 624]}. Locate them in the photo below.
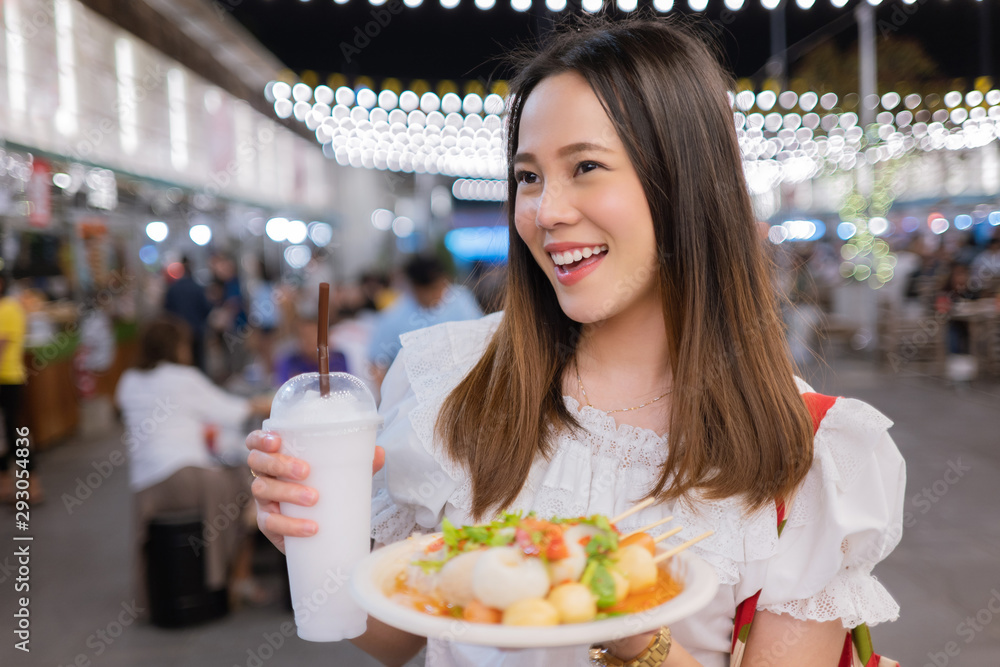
{"type": "Point", "coordinates": [433, 43]}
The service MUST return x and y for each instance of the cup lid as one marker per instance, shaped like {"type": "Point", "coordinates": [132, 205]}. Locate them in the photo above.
{"type": "Point", "coordinates": [299, 403]}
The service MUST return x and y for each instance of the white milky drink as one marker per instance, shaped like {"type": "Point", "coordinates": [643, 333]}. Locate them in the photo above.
{"type": "Point", "coordinates": [335, 435]}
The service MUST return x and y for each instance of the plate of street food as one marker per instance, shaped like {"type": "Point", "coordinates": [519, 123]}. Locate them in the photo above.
{"type": "Point", "coordinates": [522, 582]}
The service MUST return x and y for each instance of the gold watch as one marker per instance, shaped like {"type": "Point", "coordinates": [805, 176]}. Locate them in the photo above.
{"type": "Point", "coordinates": [654, 655]}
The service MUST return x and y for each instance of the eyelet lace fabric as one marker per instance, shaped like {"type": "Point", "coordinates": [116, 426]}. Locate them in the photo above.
{"type": "Point", "coordinates": [606, 468]}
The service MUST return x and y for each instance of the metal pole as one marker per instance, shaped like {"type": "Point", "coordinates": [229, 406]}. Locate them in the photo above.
{"type": "Point", "coordinates": [777, 66]}
{"type": "Point", "coordinates": [868, 86]}
{"type": "Point", "coordinates": [867, 79]}
{"type": "Point", "coordinates": [985, 47]}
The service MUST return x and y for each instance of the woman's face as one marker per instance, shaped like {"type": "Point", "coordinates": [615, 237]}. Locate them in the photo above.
{"type": "Point", "coordinates": [580, 207]}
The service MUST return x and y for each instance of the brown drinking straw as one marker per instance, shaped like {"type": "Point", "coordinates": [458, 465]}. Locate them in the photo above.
{"type": "Point", "coordinates": [323, 339]}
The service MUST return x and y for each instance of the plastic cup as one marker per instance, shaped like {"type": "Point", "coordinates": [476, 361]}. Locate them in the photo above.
{"type": "Point", "coordinates": [335, 435]}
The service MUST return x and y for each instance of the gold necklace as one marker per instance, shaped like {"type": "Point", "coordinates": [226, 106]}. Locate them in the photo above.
{"type": "Point", "coordinates": [583, 391]}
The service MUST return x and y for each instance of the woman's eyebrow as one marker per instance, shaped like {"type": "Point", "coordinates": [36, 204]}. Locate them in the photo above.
{"type": "Point", "coordinates": [570, 149]}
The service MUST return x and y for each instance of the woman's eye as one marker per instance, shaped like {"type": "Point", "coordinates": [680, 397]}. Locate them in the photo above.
{"type": "Point", "coordinates": [525, 177]}
{"type": "Point", "coordinates": [586, 166]}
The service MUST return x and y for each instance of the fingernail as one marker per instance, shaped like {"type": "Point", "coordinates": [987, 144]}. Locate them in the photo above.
{"type": "Point", "coordinates": [299, 469]}
{"type": "Point", "coordinates": [310, 529]}
{"type": "Point", "coordinates": [270, 439]}
{"type": "Point", "coordinates": [308, 496]}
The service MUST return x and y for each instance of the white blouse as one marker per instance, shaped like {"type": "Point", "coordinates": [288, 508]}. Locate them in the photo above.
{"type": "Point", "coordinates": [165, 411]}
{"type": "Point", "coordinates": [846, 517]}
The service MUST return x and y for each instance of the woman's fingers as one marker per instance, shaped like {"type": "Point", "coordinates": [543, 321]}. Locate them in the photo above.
{"type": "Point", "coordinates": [264, 441]}
{"type": "Point", "coordinates": [269, 489]}
{"type": "Point", "coordinates": [279, 524]}
{"type": "Point", "coordinates": [277, 465]}
{"type": "Point", "coordinates": [379, 459]}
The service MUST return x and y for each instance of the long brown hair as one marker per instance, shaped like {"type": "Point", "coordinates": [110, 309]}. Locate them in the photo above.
{"type": "Point", "coordinates": [737, 424]}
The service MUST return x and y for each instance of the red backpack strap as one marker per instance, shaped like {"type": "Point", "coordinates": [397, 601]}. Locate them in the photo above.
{"type": "Point", "coordinates": [818, 405]}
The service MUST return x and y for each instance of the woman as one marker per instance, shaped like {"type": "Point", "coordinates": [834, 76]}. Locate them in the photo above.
{"type": "Point", "coordinates": [640, 354]}
{"type": "Point", "coordinates": [167, 405]}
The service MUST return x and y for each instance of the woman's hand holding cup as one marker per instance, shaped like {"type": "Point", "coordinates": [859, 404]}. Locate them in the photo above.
{"type": "Point", "coordinates": [268, 490]}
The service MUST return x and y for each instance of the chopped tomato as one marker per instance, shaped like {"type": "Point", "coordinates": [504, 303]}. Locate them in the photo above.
{"type": "Point", "coordinates": [434, 546]}
{"type": "Point", "coordinates": [536, 537]}
{"type": "Point", "coordinates": [585, 540]}
{"type": "Point", "coordinates": [557, 546]}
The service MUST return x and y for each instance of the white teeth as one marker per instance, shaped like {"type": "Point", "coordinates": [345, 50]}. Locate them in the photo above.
{"type": "Point", "coordinates": [570, 256]}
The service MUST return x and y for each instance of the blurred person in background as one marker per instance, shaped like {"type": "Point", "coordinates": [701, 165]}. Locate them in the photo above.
{"type": "Point", "coordinates": [804, 314]}
{"type": "Point", "coordinates": [901, 287]}
{"type": "Point", "coordinates": [302, 358]}
{"type": "Point", "coordinates": [969, 250]}
{"type": "Point", "coordinates": [377, 290]}
{"type": "Point", "coordinates": [265, 315]}
{"type": "Point", "coordinates": [356, 308]}
{"type": "Point", "coordinates": [13, 375]}
{"type": "Point", "coordinates": [168, 408]}
{"type": "Point", "coordinates": [97, 335]}
{"type": "Point", "coordinates": [186, 299]}
{"type": "Point", "coordinates": [228, 317]}
{"type": "Point", "coordinates": [986, 267]}
{"type": "Point", "coordinates": [488, 284]}
{"type": "Point", "coordinates": [957, 287]}
{"type": "Point", "coordinates": [431, 299]}
{"type": "Point", "coordinates": [317, 271]}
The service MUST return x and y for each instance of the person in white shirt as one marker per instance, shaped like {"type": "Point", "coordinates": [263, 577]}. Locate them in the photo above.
{"type": "Point", "coordinates": [640, 354]}
{"type": "Point", "coordinates": [170, 410]}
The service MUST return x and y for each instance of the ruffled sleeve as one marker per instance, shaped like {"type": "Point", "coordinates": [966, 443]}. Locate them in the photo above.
{"type": "Point", "coordinates": [419, 484]}
{"type": "Point", "coordinates": [846, 517]}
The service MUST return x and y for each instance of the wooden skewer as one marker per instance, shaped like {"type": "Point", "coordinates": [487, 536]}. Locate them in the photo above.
{"type": "Point", "coordinates": [676, 550]}
{"type": "Point", "coordinates": [627, 513]}
{"type": "Point", "coordinates": [646, 528]}
{"type": "Point", "coordinates": [669, 533]}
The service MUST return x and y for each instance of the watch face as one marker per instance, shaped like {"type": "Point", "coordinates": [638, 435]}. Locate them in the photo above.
{"type": "Point", "coordinates": [600, 656]}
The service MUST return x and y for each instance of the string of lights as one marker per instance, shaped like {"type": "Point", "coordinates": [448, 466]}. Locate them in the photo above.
{"type": "Point", "coordinates": [785, 137]}
{"type": "Point", "coordinates": [593, 6]}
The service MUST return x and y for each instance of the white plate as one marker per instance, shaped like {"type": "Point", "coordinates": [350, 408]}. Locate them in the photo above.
{"type": "Point", "coordinates": [376, 574]}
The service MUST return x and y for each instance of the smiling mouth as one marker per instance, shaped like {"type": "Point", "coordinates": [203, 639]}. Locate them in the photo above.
{"type": "Point", "coordinates": [571, 259]}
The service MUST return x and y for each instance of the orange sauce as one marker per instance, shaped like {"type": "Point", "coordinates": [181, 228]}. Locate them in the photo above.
{"type": "Point", "coordinates": [422, 602]}
{"type": "Point", "coordinates": [665, 588]}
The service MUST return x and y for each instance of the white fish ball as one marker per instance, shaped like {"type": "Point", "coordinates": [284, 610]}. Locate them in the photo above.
{"type": "Point", "coordinates": [504, 575]}
{"type": "Point", "coordinates": [456, 577]}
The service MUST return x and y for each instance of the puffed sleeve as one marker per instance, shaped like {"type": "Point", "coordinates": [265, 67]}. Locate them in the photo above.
{"type": "Point", "coordinates": [846, 517]}
{"type": "Point", "coordinates": [419, 484]}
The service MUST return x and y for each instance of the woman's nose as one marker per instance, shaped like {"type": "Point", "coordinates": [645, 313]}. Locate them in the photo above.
{"type": "Point", "coordinates": [556, 206]}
